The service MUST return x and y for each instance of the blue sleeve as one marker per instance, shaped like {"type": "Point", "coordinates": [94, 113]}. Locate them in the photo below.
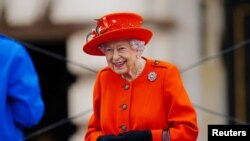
{"type": "Point", "coordinates": [24, 94]}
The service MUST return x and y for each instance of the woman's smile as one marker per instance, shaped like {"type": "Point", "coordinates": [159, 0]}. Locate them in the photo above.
{"type": "Point", "coordinates": [119, 65]}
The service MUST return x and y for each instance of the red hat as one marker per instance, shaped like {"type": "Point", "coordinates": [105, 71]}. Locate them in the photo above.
{"type": "Point", "coordinates": [116, 26]}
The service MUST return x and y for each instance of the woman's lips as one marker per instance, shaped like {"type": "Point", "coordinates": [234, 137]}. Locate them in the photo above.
{"type": "Point", "coordinates": [119, 65]}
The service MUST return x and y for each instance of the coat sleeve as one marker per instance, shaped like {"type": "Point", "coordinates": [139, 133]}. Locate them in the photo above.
{"type": "Point", "coordinates": [93, 128]}
{"type": "Point", "coordinates": [181, 113]}
{"type": "Point", "coordinates": [24, 94]}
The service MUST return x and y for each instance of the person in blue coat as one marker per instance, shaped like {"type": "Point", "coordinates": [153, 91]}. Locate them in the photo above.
{"type": "Point", "coordinates": [21, 103]}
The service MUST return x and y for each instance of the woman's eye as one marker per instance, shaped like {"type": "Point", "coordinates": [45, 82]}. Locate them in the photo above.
{"type": "Point", "coordinates": [122, 49]}
{"type": "Point", "coordinates": [108, 49]}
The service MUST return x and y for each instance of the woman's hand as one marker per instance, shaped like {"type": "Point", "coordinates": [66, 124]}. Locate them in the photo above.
{"type": "Point", "coordinates": [128, 136]}
{"type": "Point", "coordinates": [111, 138]}
{"type": "Point", "coordinates": [137, 136]}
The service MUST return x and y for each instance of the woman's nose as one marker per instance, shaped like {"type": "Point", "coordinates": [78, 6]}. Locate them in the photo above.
{"type": "Point", "coordinates": [115, 54]}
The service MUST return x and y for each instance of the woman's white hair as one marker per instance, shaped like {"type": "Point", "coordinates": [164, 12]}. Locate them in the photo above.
{"type": "Point", "coordinates": [136, 44]}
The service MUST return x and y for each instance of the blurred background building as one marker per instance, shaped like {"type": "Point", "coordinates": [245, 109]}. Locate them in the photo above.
{"type": "Point", "coordinates": [193, 34]}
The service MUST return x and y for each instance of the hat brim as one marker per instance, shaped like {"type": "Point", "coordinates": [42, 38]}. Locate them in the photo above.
{"type": "Point", "coordinates": [139, 33]}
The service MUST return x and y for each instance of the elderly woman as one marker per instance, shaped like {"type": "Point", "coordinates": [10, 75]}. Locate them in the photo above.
{"type": "Point", "coordinates": [135, 98]}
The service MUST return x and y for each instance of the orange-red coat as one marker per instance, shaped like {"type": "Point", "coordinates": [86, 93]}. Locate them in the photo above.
{"type": "Point", "coordinates": [157, 105]}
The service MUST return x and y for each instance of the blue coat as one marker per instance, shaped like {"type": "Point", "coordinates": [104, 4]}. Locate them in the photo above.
{"type": "Point", "coordinates": [21, 104]}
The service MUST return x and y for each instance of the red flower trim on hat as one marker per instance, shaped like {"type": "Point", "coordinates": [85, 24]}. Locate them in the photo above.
{"type": "Point", "coordinates": [104, 26]}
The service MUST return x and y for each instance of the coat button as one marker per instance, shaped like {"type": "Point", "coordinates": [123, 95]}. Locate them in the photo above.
{"type": "Point", "coordinates": [156, 62]}
{"type": "Point", "coordinates": [124, 106]}
{"type": "Point", "coordinates": [123, 127]}
{"type": "Point", "coordinates": [126, 86]}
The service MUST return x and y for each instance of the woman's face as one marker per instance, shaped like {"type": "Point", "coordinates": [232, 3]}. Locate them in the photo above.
{"type": "Point", "coordinates": [120, 56]}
